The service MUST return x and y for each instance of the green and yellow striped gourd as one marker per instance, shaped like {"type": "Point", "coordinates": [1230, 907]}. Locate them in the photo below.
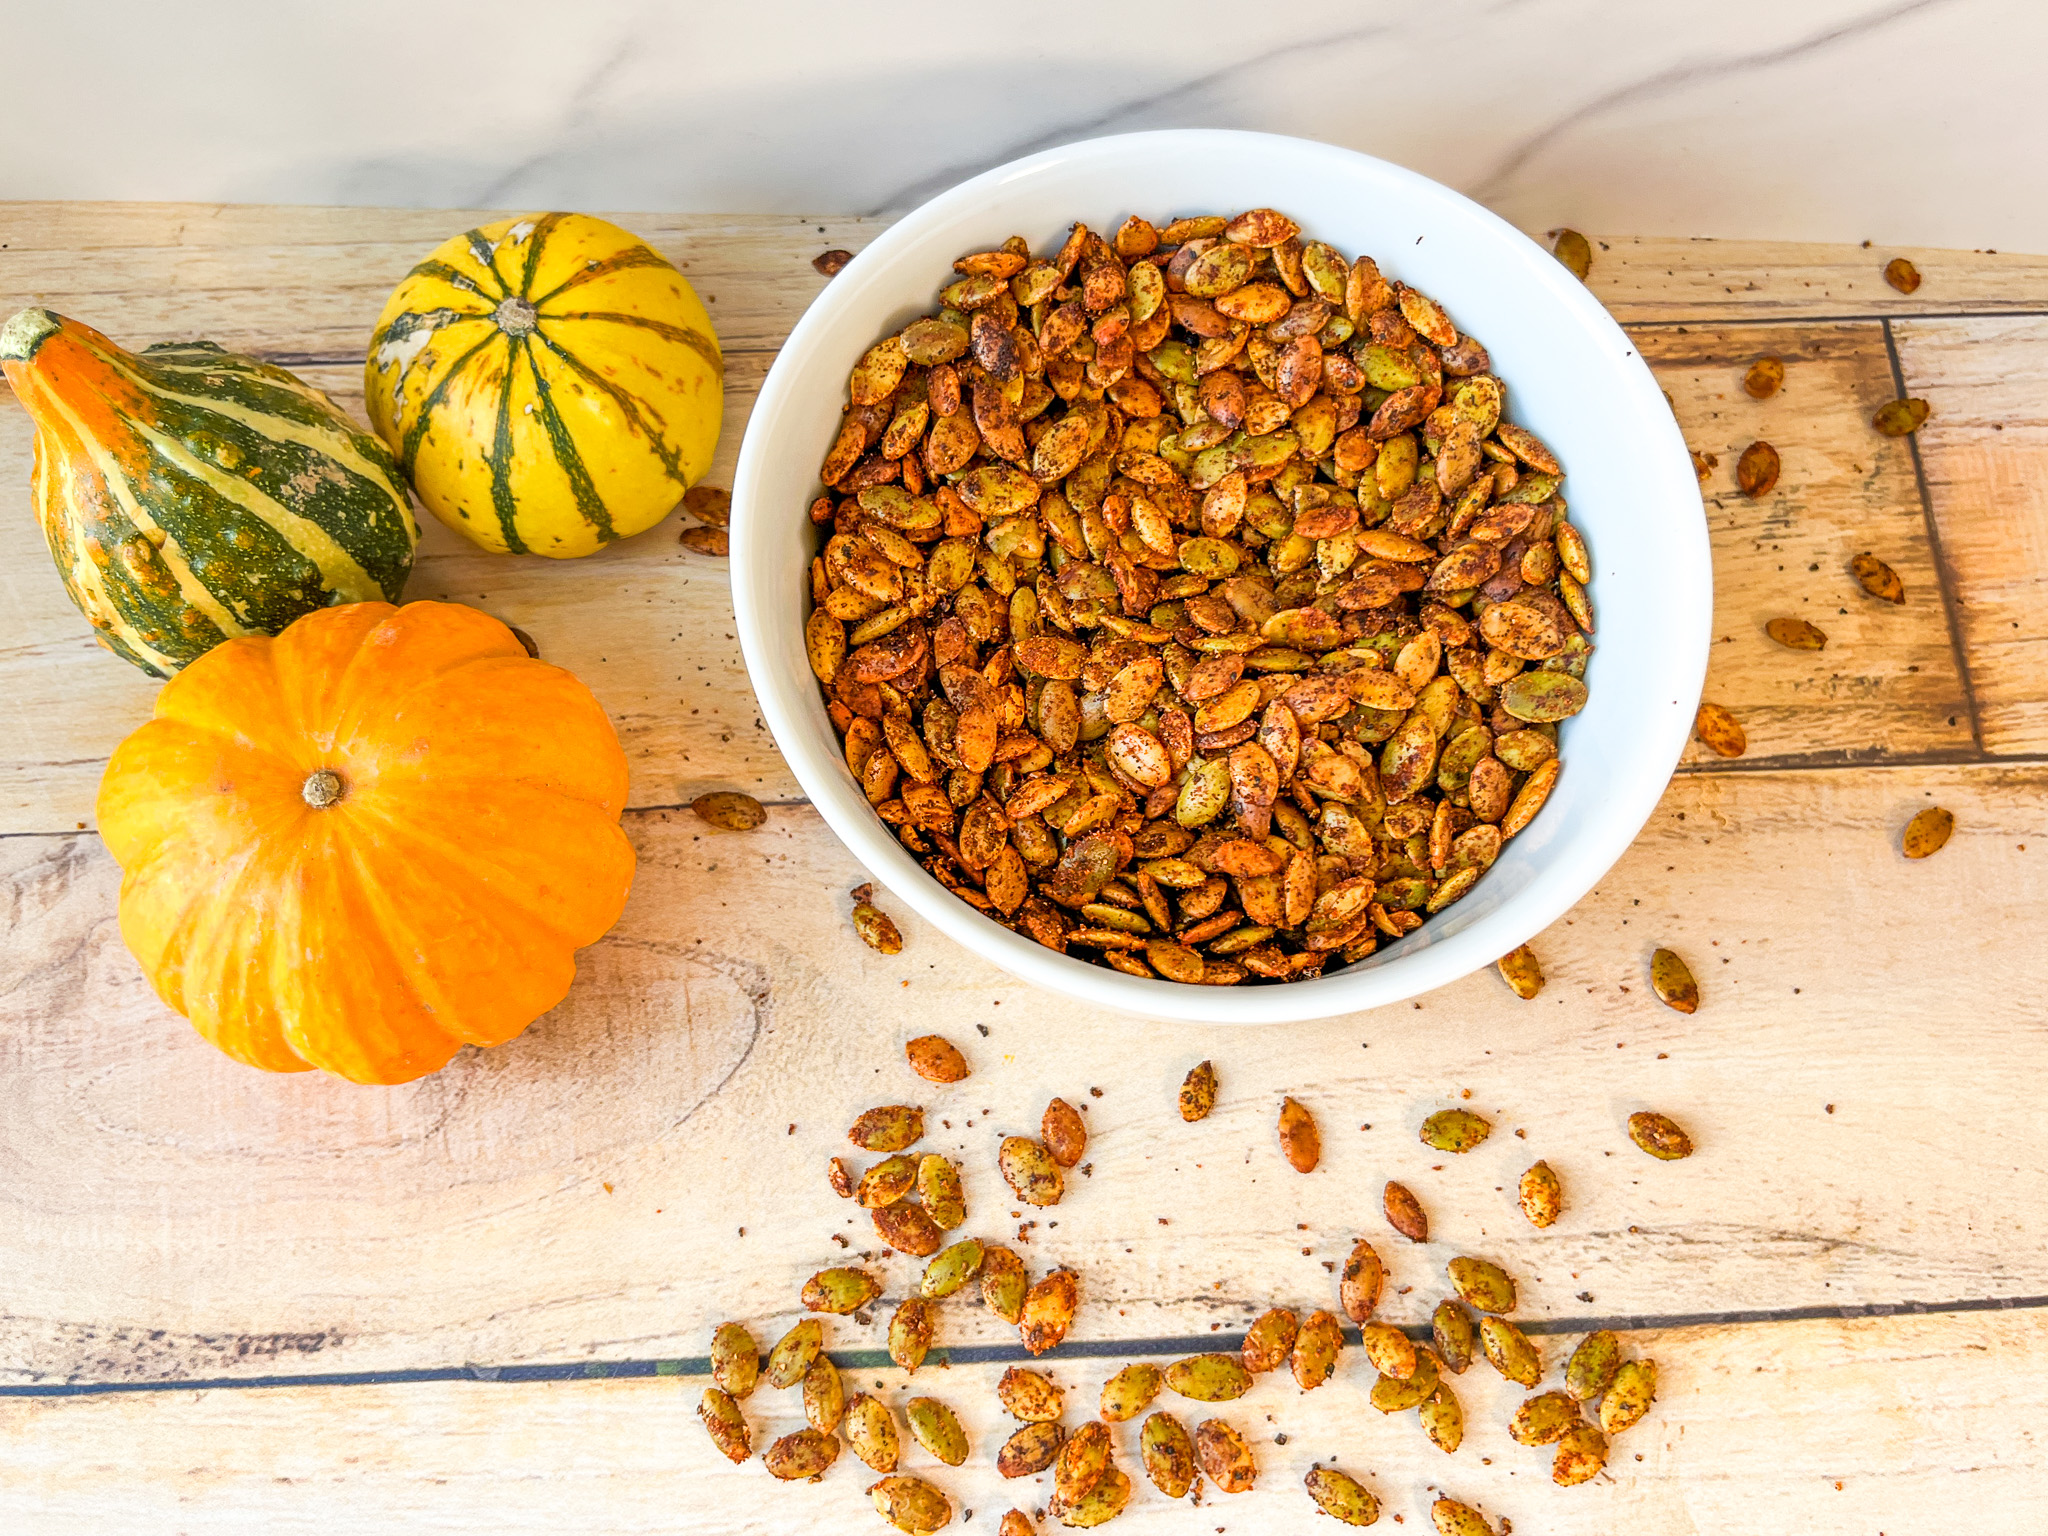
{"type": "Point", "coordinates": [189, 495]}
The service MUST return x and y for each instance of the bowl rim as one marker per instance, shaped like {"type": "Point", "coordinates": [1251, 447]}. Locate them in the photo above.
{"type": "Point", "coordinates": [1405, 969]}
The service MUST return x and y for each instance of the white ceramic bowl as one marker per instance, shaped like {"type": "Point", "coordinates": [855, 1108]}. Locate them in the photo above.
{"type": "Point", "coordinates": [1573, 378]}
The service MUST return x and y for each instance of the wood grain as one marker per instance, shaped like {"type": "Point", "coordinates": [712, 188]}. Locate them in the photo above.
{"type": "Point", "coordinates": [1753, 1432]}
{"type": "Point", "coordinates": [581, 1193]}
{"type": "Point", "coordinates": [1985, 450]}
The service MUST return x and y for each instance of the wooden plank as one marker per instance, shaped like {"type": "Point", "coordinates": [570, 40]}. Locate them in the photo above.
{"type": "Point", "coordinates": [309, 283]}
{"type": "Point", "coordinates": [1985, 451]}
{"type": "Point", "coordinates": [581, 1194]}
{"type": "Point", "coordinates": [1887, 685]}
{"type": "Point", "coordinates": [623, 619]}
{"type": "Point", "coordinates": [1755, 1429]}
{"type": "Point", "coordinates": [1643, 278]}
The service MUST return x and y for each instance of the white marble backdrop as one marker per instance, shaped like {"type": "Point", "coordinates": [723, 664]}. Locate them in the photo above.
{"type": "Point", "coordinates": [1900, 121]}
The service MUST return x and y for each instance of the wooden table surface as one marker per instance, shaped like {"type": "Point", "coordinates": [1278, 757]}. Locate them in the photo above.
{"type": "Point", "coordinates": [231, 1302]}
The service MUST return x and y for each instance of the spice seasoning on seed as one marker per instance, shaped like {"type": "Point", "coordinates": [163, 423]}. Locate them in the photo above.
{"type": "Point", "coordinates": [1189, 603]}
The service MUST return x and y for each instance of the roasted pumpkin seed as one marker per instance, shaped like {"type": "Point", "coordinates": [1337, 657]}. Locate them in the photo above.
{"type": "Point", "coordinates": [933, 1426]}
{"type": "Point", "coordinates": [870, 1429]}
{"type": "Point", "coordinates": [1450, 1329]}
{"type": "Point", "coordinates": [1167, 1454]}
{"type": "Point", "coordinates": [1048, 1311]}
{"type": "Point", "coordinates": [1063, 1133]}
{"type": "Point", "coordinates": [824, 1397]}
{"type": "Point", "coordinates": [938, 1187]}
{"type": "Point", "coordinates": [1299, 1140]}
{"type": "Point", "coordinates": [1541, 1195]}
{"type": "Point", "coordinates": [1928, 832]}
{"type": "Point", "coordinates": [1591, 1369]}
{"type": "Point", "coordinates": [1030, 1450]}
{"type": "Point", "coordinates": [1902, 274]}
{"type": "Point", "coordinates": [1099, 1505]}
{"type": "Point", "coordinates": [730, 811]}
{"type": "Point", "coordinates": [1015, 1523]}
{"type": "Point", "coordinates": [1509, 1351]}
{"type": "Point", "coordinates": [1797, 634]}
{"type": "Point", "coordinates": [876, 928]}
{"type": "Point", "coordinates": [1455, 1130]}
{"type": "Point", "coordinates": [1028, 1396]}
{"type": "Point", "coordinates": [1521, 971]}
{"type": "Point", "coordinates": [1764, 377]}
{"type": "Point", "coordinates": [1454, 1519]}
{"type": "Point", "coordinates": [1405, 1213]}
{"type": "Point", "coordinates": [1341, 1496]}
{"type": "Point", "coordinates": [910, 1334]}
{"type": "Point", "coordinates": [1269, 1341]}
{"type": "Point", "coordinates": [887, 1182]}
{"type": "Point", "coordinates": [1082, 1462]}
{"type": "Point", "coordinates": [1397, 1394]}
{"type": "Point", "coordinates": [706, 541]}
{"type": "Point", "coordinates": [735, 1360]}
{"type": "Point", "coordinates": [1720, 731]}
{"type": "Point", "coordinates": [1756, 472]}
{"type": "Point", "coordinates": [1224, 1456]}
{"type": "Point", "coordinates": [1482, 1285]}
{"type": "Point", "coordinates": [806, 1453]}
{"type": "Point", "coordinates": [1900, 418]}
{"type": "Point", "coordinates": [1130, 1391]}
{"type": "Point", "coordinates": [1659, 1135]}
{"type": "Point", "coordinates": [1581, 1453]}
{"type": "Point", "coordinates": [840, 1291]}
{"type": "Point", "coordinates": [1544, 1419]}
{"type": "Point", "coordinates": [887, 1128]}
{"type": "Point", "coordinates": [936, 1059]}
{"type": "Point", "coordinates": [1443, 1418]}
{"type": "Point", "coordinates": [1877, 578]}
{"type": "Point", "coordinates": [1389, 1351]}
{"type": "Point", "coordinates": [1031, 1171]}
{"type": "Point", "coordinates": [1208, 1378]}
{"type": "Point", "coordinates": [1003, 1283]}
{"type": "Point", "coordinates": [1671, 979]}
{"type": "Point", "coordinates": [726, 1425]}
{"type": "Point", "coordinates": [794, 1352]}
{"type": "Point", "coordinates": [1316, 1348]}
{"type": "Point", "coordinates": [950, 1269]}
{"type": "Point", "coordinates": [1575, 251]}
{"type": "Point", "coordinates": [1359, 1287]}
{"type": "Point", "coordinates": [1629, 1396]}
{"type": "Point", "coordinates": [911, 1504]}
{"type": "Point", "coordinates": [908, 1229]}
{"type": "Point", "coordinates": [1198, 1091]}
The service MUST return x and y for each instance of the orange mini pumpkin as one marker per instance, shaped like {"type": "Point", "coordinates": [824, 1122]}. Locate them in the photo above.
{"type": "Point", "coordinates": [368, 842]}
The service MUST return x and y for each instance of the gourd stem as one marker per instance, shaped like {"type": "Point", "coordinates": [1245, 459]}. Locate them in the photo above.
{"type": "Point", "coordinates": [323, 787]}
{"type": "Point", "coordinates": [516, 317]}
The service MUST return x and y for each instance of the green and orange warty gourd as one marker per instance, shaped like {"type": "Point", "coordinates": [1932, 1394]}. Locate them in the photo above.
{"type": "Point", "coordinates": [368, 842]}
{"type": "Point", "coordinates": [549, 384]}
{"type": "Point", "coordinates": [189, 495]}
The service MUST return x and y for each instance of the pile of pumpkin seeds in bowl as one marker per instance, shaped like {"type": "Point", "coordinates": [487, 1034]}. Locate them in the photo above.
{"type": "Point", "coordinates": [1189, 603]}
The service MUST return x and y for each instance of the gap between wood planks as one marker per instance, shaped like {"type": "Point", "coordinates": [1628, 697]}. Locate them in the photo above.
{"type": "Point", "coordinates": [997, 1354]}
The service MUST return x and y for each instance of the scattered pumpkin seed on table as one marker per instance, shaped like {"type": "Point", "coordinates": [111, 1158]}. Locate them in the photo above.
{"type": "Point", "coordinates": [824, 1395]}
{"type": "Point", "coordinates": [1099, 1505]}
{"type": "Point", "coordinates": [886, 1182]}
{"type": "Point", "coordinates": [1341, 1496]}
{"type": "Point", "coordinates": [1031, 1171]}
{"type": "Point", "coordinates": [1028, 1396]}
{"type": "Point", "coordinates": [911, 1504]}
{"type": "Point", "coordinates": [1015, 1523]}
{"type": "Point", "coordinates": [1160, 575]}
{"type": "Point", "coordinates": [1167, 1453]}
{"type": "Point", "coordinates": [1797, 634]}
{"type": "Point", "coordinates": [1590, 1371]}
{"type": "Point", "coordinates": [706, 541]}
{"type": "Point", "coordinates": [726, 1425]}
{"type": "Point", "coordinates": [910, 1333]}
{"type": "Point", "coordinates": [1049, 1311]}
{"type": "Point", "coordinates": [1299, 1139]}
{"type": "Point", "coordinates": [1764, 377]}
{"type": "Point", "coordinates": [1756, 472]}
{"type": "Point", "coordinates": [1030, 1450]}
{"type": "Point", "coordinates": [1452, 1518]}
{"type": "Point", "coordinates": [806, 1453]}
{"type": "Point", "coordinates": [735, 1360]}
{"type": "Point", "coordinates": [1540, 1195]}
{"type": "Point", "coordinates": [1544, 1419]}
{"type": "Point", "coordinates": [1629, 1397]}
{"type": "Point", "coordinates": [1359, 1287]}
{"type": "Point", "coordinates": [1482, 1285]}
{"type": "Point", "coordinates": [1719, 731]}
{"type": "Point", "coordinates": [840, 1291]}
{"type": "Point", "coordinates": [1224, 1456]}
{"type": "Point", "coordinates": [938, 1187]}
{"type": "Point", "coordinates": [1927, 833]}
{"type": "Point", "coordinates": [908, 1229]}
{"type": "Point", "coordinates": [1521, 970]}
{"type": "Point", "coordinates": [1671, 979]}
{"type": "Point", "coordinates": [830, 262]}
{"type": "Point", "coordinates": [1083, 1461]}
{"type": "Point", "coordinates": [887, 1128]}
{"type": "Point", "coordinates": [1659, 1135]}
{"type": "Point", "coordinates": [936, 1059]}
{"type": "Point", "coordinates": [1902, 274]}
{"type": "Point", "coordinates": [1064, 1134]}
{"type": "Point", "coordinates": [1451, 1330]}
{"type": "Point", "coordinates": [1316, 1348]}
{"type": "Point", "coordinates": [1003, 1283]}
{"type": "Point", "coordinates": [1198, 1091]}
{"type": "Point", "coordinates": [1877, 578]}
{"type": "Point", "coordinates": [1509, 1351]}
{"type": "Point", "coordinates": [1455, 1130]}
{"type": "Point", "coordinates": [1581, 1453]}
{"type": "Point", "coordinates": [934, 1426]}
{"type": "Point", "coordinates": [1405, 1213]}
{"type": "Point", "coordinates": [1388, 1350]}
{"type": "Point", "coordinates": [1130, 1391]}
{"type": "Point", "coordinates": [871, 1430]}
{"type": "Point", "coordinates": [793, 1353]}
{"type": "Point", "coordinates": [1575, 251]}
{"type": "Point", "coordinates": [730, 810]}
{"type": "Point", "coordinates": [950, 1269]}
{"type": "Point", "coordinates": [1269, 1341]}
{"type": "Point", "coordinates": [876, 928]}
{"type": "Point", "coordinates": [1901, 418]}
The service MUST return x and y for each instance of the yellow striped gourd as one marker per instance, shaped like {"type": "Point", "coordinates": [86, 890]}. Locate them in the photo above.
{"type": "Point", "coordinates": [190, 495]}
{"type": "Point", "coordinates": [549, 384]}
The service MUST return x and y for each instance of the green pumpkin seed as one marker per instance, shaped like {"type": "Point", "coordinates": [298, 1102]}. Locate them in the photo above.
{"type": "Point", "coordinates": [1543, 696]}
{"type": "Point", "coordinates": [1443, 1419]}
{"type": "Point", "coordinates": [910, 1334]}
{"type": "Point", "coordinates": [1198, 1088]}
{"type": "Point", "coordinates": [1341, 1496]}
{"type": "Point", "coordinates": [1028, 1396]}
{"type": "Point", "coordinates": [1209, 1378]}
{"type": "Point", "coordinates": [1389, 1351]}
{"type": "Point", "coordinates": [794, 1352]}
{"type": "Point", "coordinates": [1629, 1398]}
{"type": "Point", "coordinates": [735, 1360]}
{"type": "Point", "coordinates": [887, 1182]}
{"type": "Point", "coordinates": [1509, 1351]}
{"type": "Point", "coordinates": [1082, 1462]}
{"type": "Point", "coordinates": [1483, 1286]}
{"type": "Point", "coordinates": [1167, 1454]}
{"type": "Point", "coordinates": [910, 1503]}
{"type": "Point", "coordinates": [1003, 1283]}
{"type": "Point", "coordinates": [1521, 970]}
{"type": "Point", "coordinates": [1543, 1419]}
{"type": "Point", "coordinates": [1219, 270]}
{"type": "Point", "coordinates": [1268, 1342]}
{"type": "Point", "coordinates": [950, 1270]}
{"type": "Point", "coordinates": [1524, 750]}
{"type": "Point", "coordinates": [1927, 833]}
{"type": "Point", "coordinates": [1450, 1329]}
{"type": "Point", "coordinates": [840, 1291]}
{"type": "Point", "coordinates": [1213, 558]}
{"type": "Point", "coordinates": [1590, 1371]}
{"type": "Point", "coordinates": [726, 1425]}
{"type": "Point", "coordinates": [1031, 1171]}
{"type": "Point", "coordinates": [824, 1397]}
{"type": "Point", "coordinates": [1130, 1391]}
{"type": "Point", "coordinates": [1100, 1504]}
{"type": "Point", "coordinates": [1454, 1519]}
{"type": "Point", "coordinates": [1541, 1196]}
{"type": "Point", "coordinates": [889, 1128]}
{"type": "Point", "coordinates": [928, 342]}
{"type": "Point", "coordinates": [1316, 1348]}
{"type": "Point", "coordinates": [871, 1430]}
{"type": "Point", "coordinates": [1030, 1450]}
{"type": "Point", "coordinates": [938, 1186]}
{"type": "Point", "coordinates": [935, 1428]}
{"type": "Point", "coordinates": [1397, 1394]}
{"type": "Point", "coordinates": [1581, 1453]}
{"type": "Point", "coordinates": [807, 1453]}
{"type": "Point", "coordinates": [1659, 1135]}
{"type": "Point", "coordinates": [1455, 1130]}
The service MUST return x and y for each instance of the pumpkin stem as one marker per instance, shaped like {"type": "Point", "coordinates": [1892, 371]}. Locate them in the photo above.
{"type": "Point", "coordinates": [323, 787]}
{"type": "Point", "coordinates": [516, 317]}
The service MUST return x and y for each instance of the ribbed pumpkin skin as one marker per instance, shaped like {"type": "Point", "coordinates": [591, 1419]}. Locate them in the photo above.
{"type": "Point", "coordinates": [190, 494]}
{"type": "Point", "coordinates": [438, 902]}
{"type": "Point", "coordinates": [549, 384]}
